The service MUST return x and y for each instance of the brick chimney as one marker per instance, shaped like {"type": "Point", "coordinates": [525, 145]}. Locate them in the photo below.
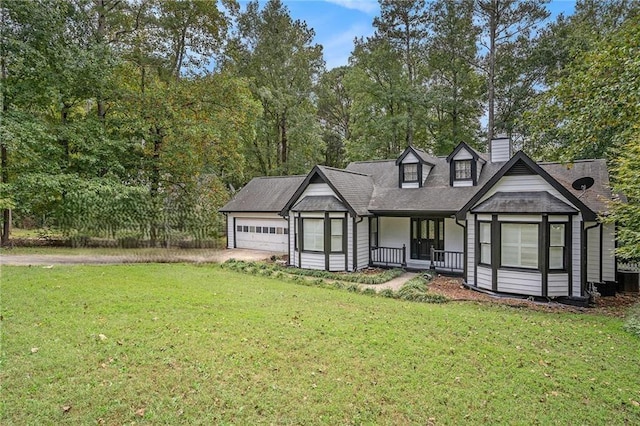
{"type": "Point", "coordinates": [500, 149]}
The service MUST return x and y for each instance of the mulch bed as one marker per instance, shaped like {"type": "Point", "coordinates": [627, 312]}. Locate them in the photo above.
{"type": "Point", "coordinates": [454, 289]}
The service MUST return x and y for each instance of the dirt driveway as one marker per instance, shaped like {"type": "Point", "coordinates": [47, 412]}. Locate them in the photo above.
{"type": "Point", "coordinates": [134, 256]}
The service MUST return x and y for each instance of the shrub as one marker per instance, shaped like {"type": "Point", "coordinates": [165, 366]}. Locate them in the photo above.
{"type": "Point", "coordinates": [632, 323]}
{"type": "Point", "coordinates": [415, 290]}
{"type": "Point", "coordinates": [387, 292]}
{"type": "Point", "coordinates": [353, 288]}
{"type": "Point", "coordinates": [369, 292]}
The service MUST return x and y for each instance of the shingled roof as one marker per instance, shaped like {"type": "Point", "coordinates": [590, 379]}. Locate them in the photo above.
{"type": "Point", "coordinates": [599, 195]}
{"type": "Point", "coordinates": [371, 187]}
{"type": "Point", "coordinates": [436, 196]}
{"type": "Point", "coordinates": [523, 203]}
{"type": "Point", "coordinates": [264, 194]}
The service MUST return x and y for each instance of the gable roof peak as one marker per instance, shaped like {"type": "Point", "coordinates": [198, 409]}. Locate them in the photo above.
{"type": "Point", "coordinates": [463, 145]}
{"type": "Point", "coordinates": [422, 156]}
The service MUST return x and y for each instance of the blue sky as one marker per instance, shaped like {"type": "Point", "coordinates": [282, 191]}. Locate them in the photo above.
{"type": "Point", "coordinates": [338, 22]}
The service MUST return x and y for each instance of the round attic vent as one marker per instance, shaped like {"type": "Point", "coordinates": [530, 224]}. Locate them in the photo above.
{"type": "Point", "coordinates": [583, 183]}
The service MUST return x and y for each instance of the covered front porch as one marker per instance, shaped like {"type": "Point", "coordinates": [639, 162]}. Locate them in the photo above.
{"type": "Point", "coordinates": [417, 242]}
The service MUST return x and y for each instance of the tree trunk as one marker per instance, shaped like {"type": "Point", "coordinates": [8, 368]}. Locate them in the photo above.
{"type": "Point", "coordinates": [6, 213]}
{"type": "Point", "coordinates": [154, 187]}
{"type": "Point", "coordinates": [100, 39]}
{"type": "Point", "coordinates": [283, 143]}
{"type": "Point", "coordinates": [491, 90]}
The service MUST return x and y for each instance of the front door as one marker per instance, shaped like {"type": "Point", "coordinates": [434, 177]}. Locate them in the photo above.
{"type": "Point", "coordinates": [426, 234]}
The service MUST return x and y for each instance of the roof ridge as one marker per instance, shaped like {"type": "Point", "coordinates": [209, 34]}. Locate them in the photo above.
{"type": "Point", "coordinates": [344, 171]}
{"type": "Point", "coordinates": [278, 177]}
{"type": "Point", "coordinates": [587, 160]}
{"type": "Point", "coordinates": [372, 161]}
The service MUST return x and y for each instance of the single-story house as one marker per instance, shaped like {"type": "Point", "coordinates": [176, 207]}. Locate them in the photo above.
{"type": "Point", "coordinates": [505, 222]}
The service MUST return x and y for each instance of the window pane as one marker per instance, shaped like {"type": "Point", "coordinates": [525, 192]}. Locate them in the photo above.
{"type": "Point", "coordinates": [485, 253]}
{"type": "Point", "coordinates": [556, 258]}
{"type": "Point", "coordinates": [556, 237]}
{"type": "Point", "coordinates": [259, 229]}
{"type": "Point", "coordinates": [252, 229]}
{"type": "Point", "coordinates": [313, 231]}
{"type": "Point", "coordinates": [239, 228]}
{"type": "Point", "coordinates": [485, 232]}
{"type": "Point", "coordinates": [336, 235]}
{"type": "Point", "coordinates": [510, 257]}
{"type": "Point", "coordinates": [529, 257]}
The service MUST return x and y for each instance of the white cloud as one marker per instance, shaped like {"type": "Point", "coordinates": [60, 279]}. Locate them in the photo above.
{"type": "Point", "coordinates": [366, 6]}
{"type": "Point", "coordinates": [338, 48]}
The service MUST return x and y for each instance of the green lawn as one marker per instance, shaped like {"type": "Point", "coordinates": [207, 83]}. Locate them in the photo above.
{"type": "Point", "coordinates": [166, 344]}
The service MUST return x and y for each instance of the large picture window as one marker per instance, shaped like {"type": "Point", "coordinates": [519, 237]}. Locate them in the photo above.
{"type": "Point", "coordinates": [313, 234]}
{"type": "Point", "coordinates": [557, 246]}
{"type": "Point", "coordinates": [519, 245]}
{"type": "Point", "coordinates": [337, 226]}
{"type": "Point", "coordinates": [484, 239]}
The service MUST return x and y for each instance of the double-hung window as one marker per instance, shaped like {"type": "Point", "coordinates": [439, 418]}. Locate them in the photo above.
{"type": "Point", "coordinates": [337, 234]}
{"type": "Point", "coordinates": [462, 169]}
{"type": "Point", "coordinates": [519, 245]}
{"type": "Point", "coordinates": [410, 172]}
{"type": "Point", "coordinates": [484, 239]}
{"type": "Point", "coordinates": [557, 246]}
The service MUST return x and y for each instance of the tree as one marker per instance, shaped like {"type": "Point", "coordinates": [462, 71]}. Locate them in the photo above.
{"type": "Point", "coordinates": [508, 29]}
{"type": "Point", "coordinates": [334, 111]}
{"type": "Point", "coordinates": [403, 25]}
{"type": "Point", "coordinates": [454, 86]}
{"type": "Point", "coordinates": [277, 54]}
{"type": "Point", "coordinates": [379, 110]}
{"type": "Point", "coordinates": [593, 111]}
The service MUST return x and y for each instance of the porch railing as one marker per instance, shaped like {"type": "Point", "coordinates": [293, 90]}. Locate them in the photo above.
{"type": "Point", "coordinates": [388, 256]}
{"type": "Point", "coordinates": [452, 261]}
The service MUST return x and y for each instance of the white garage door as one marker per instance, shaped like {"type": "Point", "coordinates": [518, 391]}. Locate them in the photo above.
{"type": "Point", "coordinates": [262, 234]}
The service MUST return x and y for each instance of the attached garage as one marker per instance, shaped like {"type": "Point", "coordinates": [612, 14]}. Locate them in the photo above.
{"type": "Point", "coordinates": [253, 219]}
{"type": "Point", "coordinates": [260, 232]}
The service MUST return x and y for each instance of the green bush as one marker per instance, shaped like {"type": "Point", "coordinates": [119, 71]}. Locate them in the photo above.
{"type": "Point", "coordinates": [387, 292]}
{"type": "Point", "coordinates": [632, 323]}
{"type": "Point", "coordinates": [369, 292]}
{"type": "Point", "coordinates": [415, 290]}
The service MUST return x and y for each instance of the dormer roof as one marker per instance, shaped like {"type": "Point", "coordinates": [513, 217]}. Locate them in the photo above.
{"type": "Point", "coordinates": [422, 156]}
{"type": "Point", "coordinates": [475, 154]}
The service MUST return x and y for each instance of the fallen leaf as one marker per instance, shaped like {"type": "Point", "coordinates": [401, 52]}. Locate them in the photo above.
{"type": "Point", "coordinates": [140, 412]}
{"type": "Point", "coordinates": [66, 408]}
{"type": "Point", "coordinates": [47, 267]}
{"type": "Point", "coordinates": [636, 403]}
{"type": "Point", "coordinates": [102, 337]}
{"type": "Point", "coordinates": [34, 350]}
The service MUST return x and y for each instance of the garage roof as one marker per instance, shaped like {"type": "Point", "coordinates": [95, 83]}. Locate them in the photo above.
{"type": "Point", "coordinates": [264, 194]}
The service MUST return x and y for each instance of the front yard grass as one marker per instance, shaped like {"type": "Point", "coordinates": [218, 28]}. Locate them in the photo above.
{"type": "Point", "coordinates": [195, 344]}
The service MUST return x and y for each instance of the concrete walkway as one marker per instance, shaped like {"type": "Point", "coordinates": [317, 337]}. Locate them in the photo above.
{"type": "Point", "coordinates": [394, 284]}
{"type": "Point", "coordinates": [135, 256]}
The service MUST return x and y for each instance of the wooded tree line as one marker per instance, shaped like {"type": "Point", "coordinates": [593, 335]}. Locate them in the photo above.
{"type": "Point", "coordinates": [142, 117]}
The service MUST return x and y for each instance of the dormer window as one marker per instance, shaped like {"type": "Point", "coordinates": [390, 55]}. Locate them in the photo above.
{"type": "Point", "coordinates": [463, 170]}
{"type": "Point", "coordinates": [410, 173]}
{"type": "Point", "coordinates": [465, 165]}
{"type": "Point", "coordinates": [414, 166]}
